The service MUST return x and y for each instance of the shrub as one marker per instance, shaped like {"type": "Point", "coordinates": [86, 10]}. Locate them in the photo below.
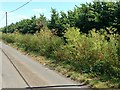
{"type": "Point", "coordinates": [8, 38]}
{"type": "Point", "coordinates": [43, 43]}
{"type": "Point", "coordinates": [85, 53]}
{"type": "Point", "coordinates": [90, 53]}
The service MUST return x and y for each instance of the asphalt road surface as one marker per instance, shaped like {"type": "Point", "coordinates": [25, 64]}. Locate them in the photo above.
{"type": "Point", "coordinates": [20, 71]}
{"type": "Point", "coordinates": [0, 69]}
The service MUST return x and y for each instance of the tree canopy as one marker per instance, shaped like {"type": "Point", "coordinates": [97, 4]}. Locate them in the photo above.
{"type": "Point", "coordinates": [85, 17]}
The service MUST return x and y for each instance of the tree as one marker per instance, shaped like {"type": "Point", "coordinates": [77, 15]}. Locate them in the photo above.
{"type": "Point", "coordinates": [54, 23]}
{"type": "Point", "coordinates": [117, 17]}
{"type": "Point", "coordinates": [41, 23]}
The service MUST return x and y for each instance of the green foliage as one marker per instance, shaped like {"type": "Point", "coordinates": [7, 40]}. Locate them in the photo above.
{"type": "Point", "coordinates": [89, 37]}
{"type": "Point", "coordinates": [47, 42]}
{"type": "Point", "coordinates": [84, 17]}
{"type": "Point", "coordinates": [29, 26]}
{"type": "Point", "coordinates": [8, 38]}
{"type": "Point", "coordinates": [41, 23]}
{"type": "Point", "coordinates": [91, 53]}
{"type": "Point", "coordinates": [84, 53]}
{"type": "Point", "coordinates": [55, 21]}
{"type": "Point", "coordinates": [43, 43]}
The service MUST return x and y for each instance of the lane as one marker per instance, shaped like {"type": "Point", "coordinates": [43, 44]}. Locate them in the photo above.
{"type": "Point", "coordinates": [34, 73]}
{"type": "Point", "coordinates": [10, 77]}
{"type": "Point", "coordinates": [0, 68]}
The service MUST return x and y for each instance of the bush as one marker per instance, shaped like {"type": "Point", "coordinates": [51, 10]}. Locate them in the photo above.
{"type": "Point", "coordinates": [90, 53]}
{"type": "Point", "coordinates": [43, 43]}
{"type": "Point", "coordinates": [86, 53]}
{"type": "Point", "coordinates": [8, 38]}
{"type": "Point", "coordinates": [46, 42]}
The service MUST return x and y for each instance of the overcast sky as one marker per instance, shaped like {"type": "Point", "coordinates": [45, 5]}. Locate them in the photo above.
{"type": "Point", "coordinates": [35, 7]}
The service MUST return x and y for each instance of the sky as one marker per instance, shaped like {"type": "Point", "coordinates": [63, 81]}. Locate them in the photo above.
{"type": "Point", "coordinates": [35, 7]}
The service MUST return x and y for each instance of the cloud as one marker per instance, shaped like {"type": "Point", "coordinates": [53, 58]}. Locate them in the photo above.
{"type": "Point", "coordinates": [39, 10]}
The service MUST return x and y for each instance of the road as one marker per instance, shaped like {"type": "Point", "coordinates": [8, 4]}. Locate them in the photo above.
{"type": "Point", "coordinates": [20, 71]}
{"type": "Point", "coordinates": [0, 69]}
